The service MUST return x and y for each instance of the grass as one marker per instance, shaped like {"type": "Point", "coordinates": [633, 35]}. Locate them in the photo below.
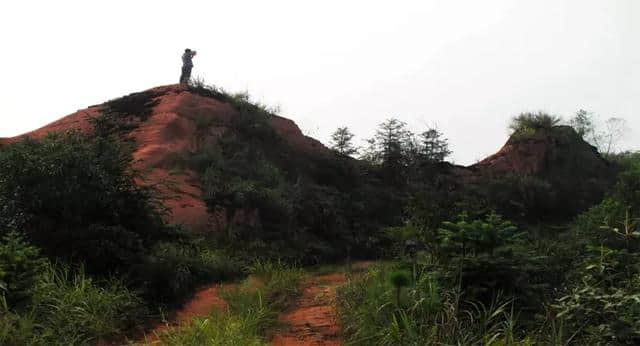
{"type": "Point", "coordinates": [253, 308]}
{"type": "Point", "coordinates": [527, 124]}
{"type": "Point", "coordinates": [221, 328]}
{"type": "Point", "coordinates": [69, 308]}
{"type": "Point", "coordinates": [374, 312]}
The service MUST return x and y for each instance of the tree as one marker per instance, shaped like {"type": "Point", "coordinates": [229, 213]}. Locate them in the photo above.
{"type": "Point", "coordinates": [478, 236]}
{"type": "Point", "coordinates": [614, 131]}
{"type": "Point", "coordinates": [391, 148]}
{"type": "Point", "coordinates": [341, 141]}
{"type": "Point", "coordinates": [604, 136]}
{"type": "Point", "coordinates": [434, 147]}
{"type": "Point", "coordinates": [76, 198]}
{"type": "Point", "coordinates": [582, 122]}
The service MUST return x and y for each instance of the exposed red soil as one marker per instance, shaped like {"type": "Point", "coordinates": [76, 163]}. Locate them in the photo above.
{"type": "Point", "coordinates": [313, 320]}
{"type": "Point", "coordinates": [79, 120]}
{"type": "Point", "coordinates": [171, 130]}
{"type": "Point", "coordinates": [525, 156]}
{"type": "Point", "coordinates": [201, 305]}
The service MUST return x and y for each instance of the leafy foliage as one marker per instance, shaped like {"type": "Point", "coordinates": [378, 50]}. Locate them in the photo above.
{"type": "Point", "coordinates": [20, 268]}
{"type": "Point", "coordinates": [433, 146]}
{"type": "Point", "coordinates": [76, 199]}
{"type": "Point", "coordinates": [171, 271]}
{"type": "Point", "coordinates": [602, 304]}
{"type": "Point", "coordinates": [279, 201]}
{"type": "Point", "coordinates": [342, 142]}
{"type": "Point", "coordinates": [523, 196]}
{"type": "Point", "coordinates": [474, 237]}
{"type": "Point", "coordinates": [529, 123]}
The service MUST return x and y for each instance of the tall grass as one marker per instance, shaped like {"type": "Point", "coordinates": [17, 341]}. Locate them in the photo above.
{"type": "Point", "coordinates": [69, 308]}
{"type": "Point", "coordinates": [253, 308]}
{"type": "Point", "coordinates": [221, 328]}
{"type": "Point", "coordinates": [374, 312]}
{"type": "Point", "coordinates": [527, 124]}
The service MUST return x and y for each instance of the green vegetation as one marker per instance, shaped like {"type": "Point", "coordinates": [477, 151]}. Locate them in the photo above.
{"type": "Point", "coordinates": [253, 308]}
{"type": "Point", "coordinates": [496, 259]}
{"type": "Point", "coordinates": [86, 252]}
{"type": "Point", "coordinates": [281, 202]}
{"type": "Point", "coordinates": [341, 142]}
{"type": "Point", "coordinates": [75, 199]}
{"type": "Point", "coordinates": [527, 124]}
{"type": "Point", "coordinates": [482, 280]}
{"type": "Point", "coordinates": [20, 267]}
{"type": "Point", "coordinates": [605, 136]}
{"type": "Point", "coordinates": [66, 307]}
{"type": "Point", "coordinates": [425, 314]}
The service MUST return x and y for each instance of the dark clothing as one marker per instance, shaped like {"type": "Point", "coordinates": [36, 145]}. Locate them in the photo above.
{"type": "Point", "coordinates": [186, 74]}
{"type": "Point", "coordinates": [187, 65]}
{"type": "Point", "coordinates": [186, 58]}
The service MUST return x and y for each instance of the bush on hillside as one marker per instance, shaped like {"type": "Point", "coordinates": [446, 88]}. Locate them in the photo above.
{"type": "Point", "coordinates": [521, 196]}
{"type": "Point", "coordinates": [173, 270]}
{"type": "Point", "coordinates": [76, 198]}
{"type": "Point", "coordinates": [20, 269]}
{"type": "Point", "coordinates": [530, 123]}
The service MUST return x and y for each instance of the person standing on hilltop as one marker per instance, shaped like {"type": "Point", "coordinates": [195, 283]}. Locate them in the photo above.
{"type": "Point", "coordinates": [187, 65]}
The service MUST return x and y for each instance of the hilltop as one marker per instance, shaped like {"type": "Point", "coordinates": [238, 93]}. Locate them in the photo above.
{"type": "Point", "coordinates": [170, 123]}
{"type": "Point", "coordinates": [167, 122]}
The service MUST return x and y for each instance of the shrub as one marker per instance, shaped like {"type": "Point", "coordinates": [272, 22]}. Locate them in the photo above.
{"type": "Point", "coordinates": [601, 303]}
{"type": "Point", "coordinates": [399, 279]}
{"type": "Point", "coordinates": [530, 123]}
{"type": "Point", "coordinates": [474, 237]}
{"type": "Point", "coordinates": [20, 269]}
{"type": "Point", "coordinates": [523, 197]}
{"type": "Point", "coordinates": [76, 198]}
{"type": "Point", "coordinates": [172, 270]}
{"type": "Point", "coordinates": [603, 312]}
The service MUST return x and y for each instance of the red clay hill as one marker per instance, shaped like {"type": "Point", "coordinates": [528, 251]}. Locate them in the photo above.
{"type": "Point", "coordinates": [170, 127]}
{"type": "Point", "coordinates": [174, 119]}
{"type": "Point", "coordinates": [553, 169]}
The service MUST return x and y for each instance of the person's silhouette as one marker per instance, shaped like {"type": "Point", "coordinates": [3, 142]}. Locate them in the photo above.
{"type": "Point", "coordinates": [187, 65]}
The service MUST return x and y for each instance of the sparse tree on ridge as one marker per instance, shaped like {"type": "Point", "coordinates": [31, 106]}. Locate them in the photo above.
{"type": "Point", "coordinates": [433, 146]}
{"type": "Point", "coordinates": [369, 153]}
{"type": "Point", "coordinates": [391, 147]}
{"type": "Point", "coordinates": [341, 141]}
{"type": "Point", "coordinates": [614, 131]}
{"type": "Point", "coordinates": [605, 137]}
{"type": "Point", "coordinates": [582, 122]}
{"type": "Point", "coordinates": [393, 140]}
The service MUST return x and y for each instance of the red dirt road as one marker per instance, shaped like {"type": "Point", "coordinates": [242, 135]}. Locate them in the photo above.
{"type": "Point", "coordinates": [202, 304]}
{"type": "Point", "coordinates": [313, 321]}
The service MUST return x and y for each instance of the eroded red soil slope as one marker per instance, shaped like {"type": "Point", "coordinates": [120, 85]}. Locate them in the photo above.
{"type": "Point", "coordinates": [171, 129]}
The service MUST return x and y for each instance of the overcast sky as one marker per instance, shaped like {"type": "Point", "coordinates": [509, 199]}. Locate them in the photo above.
{"type": "Point", "coordinates": [465, 66]}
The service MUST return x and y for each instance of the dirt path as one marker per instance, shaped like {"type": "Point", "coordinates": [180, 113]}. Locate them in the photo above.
{"type": "Point", "coordinates": [202, 304]}
{"type": "Point", "coordinates": [313, 320]}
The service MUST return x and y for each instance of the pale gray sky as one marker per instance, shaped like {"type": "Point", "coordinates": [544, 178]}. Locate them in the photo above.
{"type": "Point", "coordinates": [467, 66]}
